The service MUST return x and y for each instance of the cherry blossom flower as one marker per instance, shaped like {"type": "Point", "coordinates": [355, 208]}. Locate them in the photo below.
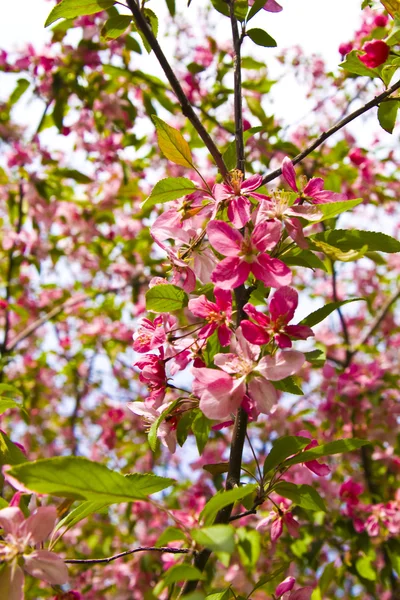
{"type": "Point", "coordinates": [276, 521]}
{"type": "Point", "coordinates": [376, 53]}
{"type": "Point", "coordinates": [314, 466]}
{"type": "Point", "coordinates": [270, 5]}
{"type": "Point", "coordinates": [16, 550]}
{"type": "Point", "coordinates": [218, 314]}
{"type": "Point", "coordinates": [237, 193]}
{"type": "Point", "coordinates": [152, 334]}
{"type": "Point", "coordinates": [221, 391]}
{"type": "Point", "coordinates": [152, 373]}
{"type": "Point", "coordinates": [166, 430]}
{"type": "Point", "coordinates": [281, 310]}
{"type": "Point", "coordinates": [313, 191]}
{"type": "Point", "coordinates": [246, 254]}
{"type": "Point", "coordinates": [285, 590]}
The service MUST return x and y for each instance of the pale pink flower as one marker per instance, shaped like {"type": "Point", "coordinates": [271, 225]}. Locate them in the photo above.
{"type": "Point", "coordinates": [166, 430]}
{"type": "Point", "coordinates": [282, 307]}
{"type": "Point", "coordinates": [313, 191]}
{"type": "Point", "coordinates": [236, 193]}
{"type": "Point", "coordinates": [247, 255]}
{"type": "Point", "coordinates": [152, 334]}
{"type": "Point", "coordinates": [20, 538]}
{"type": "Point", "coordinates": [217, 314]}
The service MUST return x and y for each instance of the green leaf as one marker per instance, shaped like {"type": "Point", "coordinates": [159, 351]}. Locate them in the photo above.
{"type": "Point", "coordinates": [321, 313]}
{"type": "Point", "coordinates": [218, 538]}
{"type": "Point", "coordinates": [154, 428]}
{"type": "Point", "coordinates": [257, 6]}
{"type": "Point", "coordinates": [224, 595]}
{"type": "Point", "coordinates": [249, 546]}
{"type": "Point", "coordinates": [353, 239]}
{"type": "Point", "coordinates": [182, 573]}
{"type": "Point", "coordinates": [335, 253]}
{"type": "Point", "coordinates": [10, 454]}
{"type": "Point", "coordinates": [387, 114]}
{"type": "Point", "coordinates": [394, 37]}
{"type": "Point", "coordinates": [353, 64]}
{"type": "Point", "coordinates": [69, 9]}
{"type": "Point", "coordinates": [80, 478]}
{"type": "Point", "coordinates": [115, 27]}
{"type": "Point", "coordinates": [6, 387]}
{"type": "Point", "coordinates": [240, 9]}
{"type": "Point", "coordinates": [172, 144]}
{"type": "Point", "coordinates": [289, 386]}
{"type": "Point", "coordinates": [337, 447]}
{"type": "Point", "coordinates": [212, 348]}
{"type": "Point", "coordinates": [333, 209]}
{"type": "Point", "coordinates": [165, 298]}
{"type": "Point", "coordinates": [303, 495]}
{"type": "Point", "coordinates": [223, 499]}
{"type": "Point", "coordinates": [261, 38]}
{"type": "Point", "coordinates": [19, 90]}
{"type": "Point", "coordinates": [171, 534]}
{"type": "Point", "coordinates": [316, 358]}
{"type": "Point", "coordinates": [73, 174]}
{"type": "Point", "coordinates": [6, 403]}
{"type": "Point", "coordinates": [302, 258]}
{"type": "Point", "coordinates": [217, 468]}
{"type": "Point", "coordinates": [229, 155]}
{"type": "Point", "coordinates": [168, 189]}
{"type": "Point", "coordinates": [366, 569]}
{"type": "Point", "coordinates": [270, 577]}
{"type": "Point", "coordinates": [80, 512]}
{"type": "Point", "coordinates": [326, 577]}
{"type": "Point", "coordinates": [221, 6]}
{"type": "Point", "coordinates": [171, 7]}
{"type": "Point", "coordinates": [282, 448]}
{"type": "Point", "coordinates": [201, 427]}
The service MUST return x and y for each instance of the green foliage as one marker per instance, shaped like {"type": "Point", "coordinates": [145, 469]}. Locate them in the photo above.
{"type": "Point", "coordinates": [387, 114]}
{"type": "Point", "coordinates": [218, 538]}
{"type": "Point", "coordinates": [69, 9]}
{"type": "Point", "coordinates": [282, 448]}
{"type": "Point", "coordinates": [223, 499]}
{"type": "Point", "coordinates": [289, 386]}
{"type": "Point", "coordinates": [165, 298]}
{"type": "Point", "coordinates": [353, 64]}
{"type": "Point", "coordinates": [336, 447]}
{"type": "Point", "coordinates": [182, 573]}
{"type": "Point", "coordinates": [201, 427]}
{"type": "Point", "coordinates": [10, 454]}
{"type": "Point", "coordinates": [172, 144]}
{"type": "Point", "coordinates": [79, 478]}
{"type": "Point", "coordinates": [168, 189]}
{"type": "Point", "coordinates": [261, 38]}
{"type": "Point", "coordinates": [352, 239]}
{"type": "Point", "coordinates": [155, 426]}
{"type": "Point", "coordinates": [115, 26]}
{"type": "Point", "coordinates": [333, 209]}
{"type": "Point", "coordinates": [303, 495]}
{"type": "Point", "coordinates": [321, 313]}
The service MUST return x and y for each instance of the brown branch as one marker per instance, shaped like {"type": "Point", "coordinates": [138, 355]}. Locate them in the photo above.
{"type": "Point", "coordinates": [187, 109]}
{"type": "Point", "coordinates": [327, 134]}
{"type": "Point", "coordinates": [93, 561]}
{"type": "Point", "coordinates": [237, 74]}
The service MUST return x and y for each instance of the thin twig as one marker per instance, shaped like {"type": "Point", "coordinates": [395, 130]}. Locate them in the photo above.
{"type": "Point", "coordinates": [187, 108]}
{"type": "Point", "coordinates": [327, 134]}
{"type": "Point", "coordinates": [93, 561]}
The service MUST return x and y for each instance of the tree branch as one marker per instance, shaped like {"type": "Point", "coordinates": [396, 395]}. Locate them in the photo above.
{"type": "Point", "coordinates": [327, 134]}
{"type": "Point", "coordinates": [237, 42]}
{"type": "Point", "coordinates": [187, 109]}
{"type": "Point", "coordinates": [94, 561]}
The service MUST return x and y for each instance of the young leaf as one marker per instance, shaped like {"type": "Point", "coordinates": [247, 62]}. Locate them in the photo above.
{"type": "Point", "coordinates": [171, 534]}
{"type": "Point", "coordinates": [19, 90]}
{"type": "Point", "coordinates": [218, 538]}
{"type": "Point", "coordinates": [366, 569]}
{"type": "Point", "coordinates": [261, 38]}
{"type": "Point", "coordinates": [225, 499]}
{"type": "Point", "coordinates": [303, 495]}
{"type": "Point", "coordinates": [182, 573]}
{"type": "Point", "coordinates": [289, 386]}
{"type": "Point", "coordinates": [353, 239]}
{"type": "Point", "coordinates": [6, 403]}
{"type": "Point", "coordinates": [217, 468]}
{"type": "Point", "coordinates": [257, 6]}
{"type": "Point", "coordinates": [282, 448]}
{"type": "Point", "coordinates": [387, 114]}
{"type": "Point", "coordinates": [316, 358]}
{"type": "Point", "coordinates": [353, 64]}
{"type": "Point", "coordinates": [201, 427]}
{"type": "Point", "coordinates": [171, 7]}
{"type": "Point", "coordinates": [115, 27]}
{"type": "Point", "coordinates": [80, 478]}
{"type": "Point", "coordinates": [10, 454]}
{"type": "Point", "coordinates": [165, 298]}
{"type": "Point", "coordinates": [80, 512]}
{"type": "Point", "coordinates": [229, 155]}
{"type": "Point", "coordinates": [333, 209]}
{"type": "Point", "coordinates": [172, 144]}
{"type": "Point", "coordinates": [69, 9]}
{"type": "Point", "coordinates": [156, 424]}
{"type": "Point", "coordinates": [224, 595]}
{"type": "Point", "coordinates": [302, 258]}
{"type": "Point", "coordinates": [321, 313]}
{"type": "Point", "coordinates": [168, 189]}
{"type": "Point", "coordinates": [337, 447]}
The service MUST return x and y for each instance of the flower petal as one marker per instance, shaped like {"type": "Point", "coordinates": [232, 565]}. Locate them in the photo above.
{"type": "Point", "coordinates": [251, 184]}
{"type": "Point", "coordinates": [40, 523]}
{"type": "Point", "coordinates": [266, 235]}
{"type": "Point", "coordinates": [230, 273]}
{"type": "Point", "coordinates": [10, 519]}
{"type": "Point", "coordinates": [46, 565]}
{"type": "Point", "coordinates": [224, 238]}
{"type": "Point", "coordinates": [271, 271]}
{"type": "Point", "coordinates": [254, 333]}
{"type": "Point", "coordinates": [286, 585]}
{"type": "Point", "coordinates": [263, 393]}
{"type": "Point", "coordinates": [283, 304]}
{"type": "Point", "coordinates": [281, 365]}
{"type": "Point", "coordinates": [289, 173]}
{"type": "Point", "coordinates": [239, 211]}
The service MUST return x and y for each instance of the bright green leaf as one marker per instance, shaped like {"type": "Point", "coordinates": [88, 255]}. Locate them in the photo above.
{"type": "Point", "coordinates": [337, 447]}
{"type": "Point", "coordinates": [387, 114]}
{"type": "Point", "coordinates": [80, 512]}
{"type": "Point", "coordinates": [261, 38]}
{"type": "Point", "coordinates": [69, 9]}
{"type": "Point", "coordinates": [303, 495]}
{"type": "Point", "coordinates": [282, 448]}
{"type": "Point", "coordinates": [80, 478]}
{"type": "Point", "coordinates": [223, 499]}
{"type": "Point", "coordinates": [72, 174]}
{"type": "Point", "coordinates": [115, 27]}
{"type": "Point", "coordinates": [168, 189]}
{"type": "Point", "coordinates": [289, 386]}
{"type": "Point", "coordinates": [366, 569]}
{"type": "Point", "coordinates": [10, 454]}
{"type": "Point", "coordinates": [353, 239]}
{"type": "Point", "coordinates": [201, 427]}
{"type": "Point", "coordinates": [171, 534]}
{"type": "Point", "coordinates": [19, 90]}
{"type": "Point", "coordinates": [218, 538]}
{"type": "Point", "coordinates": [172, 144]}
{"type": "Point", "coordinates": [333, 209]}
{"type": "Point", "coordinates": [321, 313]}
{"type": "Point", "coordinates": [165, 298]}
{"type": "Point", "coordinates": [6, 403]}
{"type": "Point", "coordinates": [353, 64]}
{"type": "Point", "coordinates": [156, 424]}
{"type": "Point", "coordinates": [229, 155]}
{"type": "Point", "coordinates": [182, 573]}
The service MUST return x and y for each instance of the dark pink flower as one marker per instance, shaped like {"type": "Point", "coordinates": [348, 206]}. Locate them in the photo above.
{"type": "Point", "coordinates": [236, 193]}
{"type": "Point", "coordinates": [152, 373]}
{"type": "Point", "coordinates": [218, 314]}
{"type": "Point", "coordinates": [376, 53]}
{"type": "Point", "coordinates": [313, 192]}
{"type": "Point", "coordinates": [314, 466]}
{"type": "Point", "coordinates": [246, 254]}
{"type": "Point", "coordinates": [281, 308]}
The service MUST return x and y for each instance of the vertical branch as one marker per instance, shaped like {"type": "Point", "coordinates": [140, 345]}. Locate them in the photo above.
{"type": "Point", "coordinates": [237, 42]}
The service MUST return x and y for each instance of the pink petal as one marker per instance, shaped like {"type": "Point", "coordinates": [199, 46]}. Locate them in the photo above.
{"type": "Point", "coordinates": [230, 273]}
{"type": "Point", "coordinates": [276, 529]}
{"type": "Point", "coordinates": [46, 565]}
{"type": "Point", "coordinates": [281, 365]}
{"type": "Point", "coordinates": [314, 185]}
{"type": "Point", "coordinates": [220, 394]}
{"type": "Point", "coordinates": [302, 594]}
{"type": "Point", "coordinates": [251, 184]}
{"type": "Point", "coordinates": [283, 304]}
{"type": "Point", "coordinates": [223, 300]}
{"type": "Point", "coordinates": [289, 173]}
{"type": "Point", "coordinates": [263, 393]}
{"type": "Point", "coordinates": [295, 230]}
{"type": "Point", "coordinates": [301, 332]}
{"type": "Point", "coordinates": [12, 583]}
{"type": "Point", "coordinates": [308, 212]}
{"type": "Point", "coordinates": [319, 469]}
{"type": "Point", "coordinates": [272, 6]}
{"type": "Point", "coordinates": [292, 525]}
{"type": "Point", "coordinates": [222, 191]}
{"type": "Point", "coordinates": [282, 340]}
{"type": "Point", "coordinates": [224, 239]}
{"type": "Point", "coordinates": [259, 317]}
{"type": "Point", "coordinates": [266, 235]}
{"type": "Point", "coordinates": [224, 335]}
{"type": "Point", "coordinates": [10, 520]}
{"type": "Point", "coordinates": [254, 333]}
{"type": "Point", "coordinates": [207, 330]}
{"type": "Point", "coordinates": [201, 306]}
{"type": "Point", "coordinates": [286, 585]}
{"type": "Point", "coordinates": [271, 271]}
{"type": "Point", "coordinates": [325, 196]}
{"type": "Point", "coordinates": [239, 211]}
{"type": "Point", "coordinates": [40, 523]}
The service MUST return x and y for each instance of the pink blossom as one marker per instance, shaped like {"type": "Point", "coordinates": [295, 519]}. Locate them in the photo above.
{"type": "Point", "coordinates": [286, 586]}
{"type": "Point", "coordinates": [313, 191]}
{"type": "Point", "coordinates": [152, 334]}
{"type": "Point", "coordinates": [237, 193]}
{"type": "Point", "coordinates": [166, 430]}
{"type": "Point", "coordinates": [314, 466]}
{"type": "Point", "coordinates": [218, 314]}
{"type": "Point", "coordinates": [270, 5]}
{"type": "Point", "coordinates": [152, 373]}
{"type": "Point", "coordinates": [277, 520]}
{"type": "Point", "coordinates": [285, 590]}
{"type": "Point", "coordinates": [376, 53]}
{"type": "Point", "coordinates": [281, 307]}
{"type": "Point", "coordinates": [20, 535]}
{"type": "Point", "coordinates": [247, 255]}
{"type": "Point", "coordinates": [349, 492]}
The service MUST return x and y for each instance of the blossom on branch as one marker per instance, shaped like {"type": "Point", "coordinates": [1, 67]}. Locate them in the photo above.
{"type": "Point", "coordinates": [236, 194]}
{"type": "Point", "coordinates": [376, 53]}
{"type": "Point", "coordinates": [218, 314]}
